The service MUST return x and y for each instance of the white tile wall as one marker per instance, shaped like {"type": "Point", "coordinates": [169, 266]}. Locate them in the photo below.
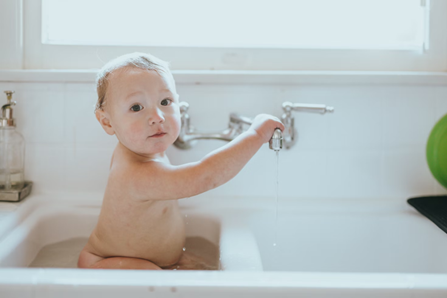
{"type": "Point", "coordinates": [373, 146]}
{"type": "Point", "coordinates": [42, 121]}
{"type": "Point", "coordinates": [45, 166]}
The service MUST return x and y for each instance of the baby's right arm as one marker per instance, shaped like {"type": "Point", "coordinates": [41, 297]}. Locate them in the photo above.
{"type": "Point", "coordinates": [159, 181]}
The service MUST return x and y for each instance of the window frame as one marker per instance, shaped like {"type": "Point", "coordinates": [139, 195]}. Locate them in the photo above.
{"type": "Point", "coordinates": [434, 59]}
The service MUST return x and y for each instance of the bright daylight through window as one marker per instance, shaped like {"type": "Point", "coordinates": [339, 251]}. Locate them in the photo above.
{"type": "Point", "coordinates": [301, 24]}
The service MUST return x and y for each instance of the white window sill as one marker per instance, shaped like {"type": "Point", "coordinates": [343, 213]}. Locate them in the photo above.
{"type": "Point", "coordinates": [246, 77]}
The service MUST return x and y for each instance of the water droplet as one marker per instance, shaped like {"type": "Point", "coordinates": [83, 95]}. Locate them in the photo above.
{"type": "Point", "coordinates": [178, 266]}
{"type": "Point", "coordinates": [186, 215]}
{"type": "Point", "coordinates": [184, 248]}
{"type": "Point", "coordinates": [274, 244]}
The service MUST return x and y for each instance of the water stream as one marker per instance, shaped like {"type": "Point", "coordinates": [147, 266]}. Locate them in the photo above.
{"type": "Point", "coordinates": [277, 187]}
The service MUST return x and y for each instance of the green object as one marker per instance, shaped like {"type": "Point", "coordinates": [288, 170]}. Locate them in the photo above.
{"type": "Point", "coordinates": [437, 151]}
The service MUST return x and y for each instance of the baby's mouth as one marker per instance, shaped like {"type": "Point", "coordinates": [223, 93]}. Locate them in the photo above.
{"type": "Point", "coordinates": [158, 134]}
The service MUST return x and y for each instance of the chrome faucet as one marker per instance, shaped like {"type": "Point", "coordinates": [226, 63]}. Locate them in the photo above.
{"type": "Point", "coordinates": [188, 136]}
{"type": "Point", "coordinates": [275, 142]}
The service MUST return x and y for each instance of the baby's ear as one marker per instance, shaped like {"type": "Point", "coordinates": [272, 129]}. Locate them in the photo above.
{"type": "Point", "coordinates": [104, 120]}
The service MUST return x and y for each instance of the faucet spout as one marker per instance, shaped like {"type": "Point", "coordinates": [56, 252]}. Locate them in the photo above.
{"type": "Point", "coordinates": [275, 142]}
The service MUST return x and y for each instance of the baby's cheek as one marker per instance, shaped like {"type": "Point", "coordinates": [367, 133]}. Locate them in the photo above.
{"type": "Point", "coordinates": [135, 132]}
{"type": "Point", "coordinates": [176, 124]}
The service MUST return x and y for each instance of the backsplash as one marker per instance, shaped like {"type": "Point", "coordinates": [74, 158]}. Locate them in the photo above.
{"type": "Point", "coordinates": [373, 146]}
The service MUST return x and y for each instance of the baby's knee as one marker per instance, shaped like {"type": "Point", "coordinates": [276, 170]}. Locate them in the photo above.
{"type": "Point", "coordinates": [92, 261]}
{"type": "Point", "coordinates": [125, 263]}
{"type": "Point", "coordinates": [87, 259]}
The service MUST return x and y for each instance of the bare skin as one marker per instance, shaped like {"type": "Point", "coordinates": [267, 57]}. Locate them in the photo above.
{"type": "Point", "coordinates": [140, 225]}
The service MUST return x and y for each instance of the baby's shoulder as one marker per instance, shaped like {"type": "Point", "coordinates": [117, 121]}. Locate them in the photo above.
{"type": "Point", "coordinates": [124, 160]}
{"type": "Point", "coordinates": [137, 180]}
{"type": "Point", "coordinates": [132, 169]}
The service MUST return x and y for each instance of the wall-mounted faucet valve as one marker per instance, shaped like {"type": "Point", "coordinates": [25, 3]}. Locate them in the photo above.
{"type": "Point", "coordinates": [288, 120]}
{"type": "Point", "coordinates": [188, 135]}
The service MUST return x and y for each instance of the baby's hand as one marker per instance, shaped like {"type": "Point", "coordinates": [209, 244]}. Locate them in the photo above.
{"type": "Point", "coordinates": [264, 125]}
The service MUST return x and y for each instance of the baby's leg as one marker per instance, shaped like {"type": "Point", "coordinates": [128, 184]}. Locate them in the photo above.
{"type": "Point", "coordinates": [89, 260]}
{"type": "Point", "coordinates": [190, 261]}
{"type": "Point", "coordinates": [125, 263]}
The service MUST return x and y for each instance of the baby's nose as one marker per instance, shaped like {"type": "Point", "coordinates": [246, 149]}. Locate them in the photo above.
{"type": "Point", "coordinates": [156, 117]}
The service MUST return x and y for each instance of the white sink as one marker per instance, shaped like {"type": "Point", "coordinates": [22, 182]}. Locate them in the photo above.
{"type": "Point", "coordinates": [350, 236]}
{"type": "Point", "coordinates": [54, 221]}
{"type": "Point", "coordinates": [325, 248]}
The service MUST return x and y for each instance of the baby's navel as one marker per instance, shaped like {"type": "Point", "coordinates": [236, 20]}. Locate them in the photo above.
{"type": "Point", "coordinates": [165, 209]}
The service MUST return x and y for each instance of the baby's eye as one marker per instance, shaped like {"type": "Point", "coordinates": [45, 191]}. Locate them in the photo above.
{"type": "Point", "coordinates": [136, 108]}
{"type": "Point", "coordinates": [166, 102]}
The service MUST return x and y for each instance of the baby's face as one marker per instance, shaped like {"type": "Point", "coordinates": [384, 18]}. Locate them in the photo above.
{"type": "Point", "coordinates": [143, 109]}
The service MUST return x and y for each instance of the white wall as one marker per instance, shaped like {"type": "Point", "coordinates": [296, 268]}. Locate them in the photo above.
{"type": "Point", "coordinates": [11, 38]}
{"type": "Point", "coordinates": [373, 146]}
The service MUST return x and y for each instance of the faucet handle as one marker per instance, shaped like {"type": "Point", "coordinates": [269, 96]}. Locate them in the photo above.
{"type": "Point", "coordinates": [288, 119]}
{"type": "Point", "coordinates": [303, 107]}
{"type": "Point", "coordinates": [9, 94]}
{"type": "Point", "coordinates": [184, 107]}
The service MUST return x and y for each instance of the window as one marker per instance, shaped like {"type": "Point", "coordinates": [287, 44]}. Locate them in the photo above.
{"type": "Point", "coordinates": [295, 24]}
{"type": "Point", "coordinates": [380, 35]}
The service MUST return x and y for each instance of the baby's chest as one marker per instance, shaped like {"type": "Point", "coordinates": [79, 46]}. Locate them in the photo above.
{"type": "Point", "coordinates": [141, 215]}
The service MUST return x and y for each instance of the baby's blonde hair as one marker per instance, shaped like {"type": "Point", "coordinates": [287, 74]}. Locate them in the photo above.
{"type": "Point", "coordinates": [138, 60]}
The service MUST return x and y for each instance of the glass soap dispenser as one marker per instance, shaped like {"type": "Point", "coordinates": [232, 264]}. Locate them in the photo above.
{"type": "Point", "coordinates": [12, 150]}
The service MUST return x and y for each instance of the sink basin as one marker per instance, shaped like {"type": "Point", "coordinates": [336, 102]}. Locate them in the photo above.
{"type": "Point", "coordinates": [350, 236]}
{"type": "Point", "coordinates": [58, 222]}
{"type": "Point", "coordinates": [325, 248]}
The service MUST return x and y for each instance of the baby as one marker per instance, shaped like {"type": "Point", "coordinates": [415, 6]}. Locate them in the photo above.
{"type": "Point", "coordinates": [140, 225]}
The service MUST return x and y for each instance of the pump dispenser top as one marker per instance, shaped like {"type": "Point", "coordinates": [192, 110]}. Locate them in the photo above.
{"type": "Point", "coordinates": [7, 119]}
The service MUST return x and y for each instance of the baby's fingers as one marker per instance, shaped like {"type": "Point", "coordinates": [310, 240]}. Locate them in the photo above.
{"type": "Point", "coordinates": [279, 124]}
{"type": "Point", "coordinates": [275, 123]}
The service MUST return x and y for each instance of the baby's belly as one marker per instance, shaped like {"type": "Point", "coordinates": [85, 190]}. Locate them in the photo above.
{"type": "Point", "coordinates": [156, 233]}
